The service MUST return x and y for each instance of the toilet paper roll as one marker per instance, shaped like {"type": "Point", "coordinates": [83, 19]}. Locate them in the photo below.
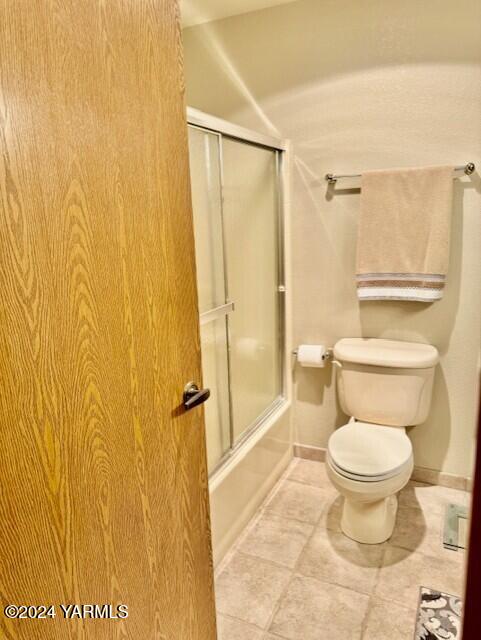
{"type": "Point", "coordinates": [311, 355]}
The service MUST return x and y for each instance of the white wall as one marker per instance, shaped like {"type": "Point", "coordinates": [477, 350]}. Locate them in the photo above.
{"type": "Point", "coordinates": [356, 86]}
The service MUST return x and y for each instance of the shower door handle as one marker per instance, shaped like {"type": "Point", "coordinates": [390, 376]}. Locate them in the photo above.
{"type": "Point", "coordinates": [193, 396]}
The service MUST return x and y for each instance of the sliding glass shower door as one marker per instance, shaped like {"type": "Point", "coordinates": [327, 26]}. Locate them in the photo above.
{"type": "Point", "coordinates": [251, 238]}
{"type": "Point", "coordinates": [204, 148]}
{"type": "Point", "coordinates": [235, 194]}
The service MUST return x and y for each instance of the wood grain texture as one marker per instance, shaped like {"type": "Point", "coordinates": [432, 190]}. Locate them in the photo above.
{"type": "Point", "coordinates": [470, 629]}
{"type": "Point", "coordinates": [104, 494]}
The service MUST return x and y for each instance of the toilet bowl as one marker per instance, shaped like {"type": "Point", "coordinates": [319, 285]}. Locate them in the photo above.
{"type": "Point", "coordinates": [368, 464]}
{"type": "Point", "coordinates": [385, 385]}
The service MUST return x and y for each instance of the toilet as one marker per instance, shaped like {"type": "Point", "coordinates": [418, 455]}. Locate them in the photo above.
{"type": "Point", "coordinates": [386, 386]}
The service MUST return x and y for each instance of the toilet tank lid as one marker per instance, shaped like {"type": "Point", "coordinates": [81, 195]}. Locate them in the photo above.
{"type": "Point", "coordinates": [386, 353]}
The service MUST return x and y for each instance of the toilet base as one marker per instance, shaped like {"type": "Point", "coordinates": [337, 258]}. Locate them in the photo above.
{"type": "Point", "coordinates": [369, 522]}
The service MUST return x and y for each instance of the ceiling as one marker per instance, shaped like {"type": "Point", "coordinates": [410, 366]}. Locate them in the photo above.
{"type": "Point", "coordinates": [199, 11]}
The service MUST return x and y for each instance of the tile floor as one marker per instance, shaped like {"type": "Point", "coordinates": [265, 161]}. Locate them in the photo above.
{"type": "Point", "coordinates": [294, 576]}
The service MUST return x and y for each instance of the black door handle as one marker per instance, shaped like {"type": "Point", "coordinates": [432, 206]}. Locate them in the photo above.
{"type": "Point", "coordinates": [193, 396]}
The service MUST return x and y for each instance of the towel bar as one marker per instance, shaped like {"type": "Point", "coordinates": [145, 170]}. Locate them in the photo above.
{"type": "Point", "coordinates": [331, 178]}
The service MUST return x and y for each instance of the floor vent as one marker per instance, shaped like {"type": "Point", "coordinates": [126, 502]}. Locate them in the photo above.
{"type": "Point", "coordinates": [455, 527]}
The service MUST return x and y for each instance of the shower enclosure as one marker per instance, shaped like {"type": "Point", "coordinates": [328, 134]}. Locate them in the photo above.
{"type": "Point", "coordinates": [237, 204]}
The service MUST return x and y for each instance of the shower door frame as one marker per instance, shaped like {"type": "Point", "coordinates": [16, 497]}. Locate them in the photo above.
{"type": "Point", "coordinates": [222, 128]}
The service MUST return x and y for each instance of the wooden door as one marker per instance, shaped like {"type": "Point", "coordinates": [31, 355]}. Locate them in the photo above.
{"type": "Point", "coordinates": [473, 570]}
{"type": "Point", "coordinates": [103, 496]}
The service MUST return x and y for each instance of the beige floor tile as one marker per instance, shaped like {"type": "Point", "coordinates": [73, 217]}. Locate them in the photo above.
{"type": "Point", "coordinates": [248, 588]}
{"type": "Point", "coordinates": [333, 557]}
{"type": "Point", "coordinates": [418, 531]}
{"type": "Point", "coordinates": [277, 539]}
{"type": "Point", "coordinates": [431, 498]}
{"type": "Point", "coordinates": [309, 472]}
{"type": "Point", "coordinates": [332, 514]}
{"type": "Point", "coordinates": [233, 629]}
{"type": "Point", "coordinates": [312, 610]}
{"type": "Point", "coordinates": [404, 572]}
{"type": "Point", "coordinates": [299, 502]}
{"type": "Point", "coordinates": [300, 527]}
{"type": "Point", "coordinates": [389, 621]}
{"type": "Point", "coordinates": [422, 531]}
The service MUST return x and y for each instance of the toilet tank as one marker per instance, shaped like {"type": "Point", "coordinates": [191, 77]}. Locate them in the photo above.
{"type": "Point", "coordinates": [385, 381]}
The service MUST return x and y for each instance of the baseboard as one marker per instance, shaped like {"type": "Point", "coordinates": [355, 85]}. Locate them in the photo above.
{"type": "Point", "coordinates": [431, 476]}
{"type": "Point", "coordinates": [420, 474]}
{"type": "Point", "coordinates": [309, 453]}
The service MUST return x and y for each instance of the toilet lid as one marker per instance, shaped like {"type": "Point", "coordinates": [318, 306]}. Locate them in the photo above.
{"type": "Point", "coordinates": [369, 450]}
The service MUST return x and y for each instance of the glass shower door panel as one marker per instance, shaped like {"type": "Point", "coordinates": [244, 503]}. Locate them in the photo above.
{"type": "Point", "coordinates": [207, 211]}
{"type": "Point", "coordinates": [213, 337]}
{"type": "Point", "coordinates": [250, 188]}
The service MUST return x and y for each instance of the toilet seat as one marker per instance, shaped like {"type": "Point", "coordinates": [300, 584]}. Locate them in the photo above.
{"type": "Point", "coordinates": [368, 452]}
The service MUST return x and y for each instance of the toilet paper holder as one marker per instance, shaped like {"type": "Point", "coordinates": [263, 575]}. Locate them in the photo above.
{"type": "Point", "coordinates": [328, 355]}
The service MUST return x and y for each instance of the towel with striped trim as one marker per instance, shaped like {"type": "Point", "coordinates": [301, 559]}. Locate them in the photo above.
{"type": "Point", "coordinates": [418, 287]}
{"type": "Point", "coordinates": [404, 233]}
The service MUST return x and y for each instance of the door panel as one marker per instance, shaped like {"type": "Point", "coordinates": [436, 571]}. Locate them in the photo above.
{"type": "Point", "coordinates": [215, 369]}
{"type": "Point", "coordinates": [235, 193]}
{"type": "Point", "coordinates": [207, 207]}
{"type": "Point", "coordinates": [104, 493]}
{"type": "Point", "coordinates": [251, 231]}
{"type": "Point", "coordinates": [205, 171]}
